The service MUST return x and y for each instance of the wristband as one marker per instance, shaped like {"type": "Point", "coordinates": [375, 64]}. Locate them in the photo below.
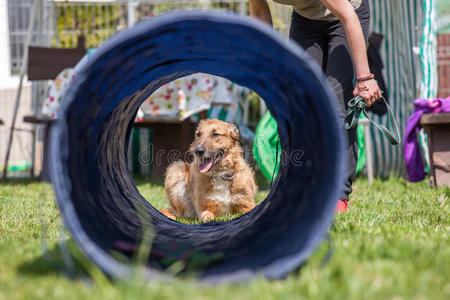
{"type": "Point", "coordinates": [365, 78]}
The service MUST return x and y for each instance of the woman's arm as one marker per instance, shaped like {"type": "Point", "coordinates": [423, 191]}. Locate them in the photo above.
{"type": "Point", "coordinates": [343, 10]}
{"type": "Point", "coordinates": [260, 10]}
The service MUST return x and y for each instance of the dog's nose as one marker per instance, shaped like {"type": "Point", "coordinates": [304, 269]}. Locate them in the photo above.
{"type": "Point", "coordinates": [199, 150]}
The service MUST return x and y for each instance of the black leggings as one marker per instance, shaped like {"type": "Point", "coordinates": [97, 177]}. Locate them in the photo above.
{"type": "Point", "coordinates": [326, 43]}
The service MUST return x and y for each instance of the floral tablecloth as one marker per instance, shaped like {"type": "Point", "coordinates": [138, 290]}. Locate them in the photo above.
{"type": "Point", "coordinates": [189, 95]}
{"type": "Point", "coordinates": [56, 92]}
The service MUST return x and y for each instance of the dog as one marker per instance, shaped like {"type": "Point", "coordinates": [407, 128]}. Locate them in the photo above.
{"type": "Point", "coordinates": [217, 182]}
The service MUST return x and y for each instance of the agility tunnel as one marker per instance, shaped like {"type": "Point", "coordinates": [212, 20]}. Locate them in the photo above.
{"type": "Point", "coordinates": [99, 201]}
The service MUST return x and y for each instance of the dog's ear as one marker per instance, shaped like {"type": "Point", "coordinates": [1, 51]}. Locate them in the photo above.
{"type": "Point", "coordinates": [200, 123]}
{"type": "Point", "coordinates": [234, 132]}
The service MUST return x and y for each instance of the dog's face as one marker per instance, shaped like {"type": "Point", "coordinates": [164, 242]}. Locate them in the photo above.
{"type": "Point", "coordinates": [213, 140]}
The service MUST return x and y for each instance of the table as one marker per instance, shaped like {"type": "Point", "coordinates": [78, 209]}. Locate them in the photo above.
{"type": "Point", "coordinates": [437, 126]}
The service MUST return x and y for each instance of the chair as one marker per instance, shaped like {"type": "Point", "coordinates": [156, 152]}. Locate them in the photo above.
{"type": "Point", "coordinates": [45, 64]}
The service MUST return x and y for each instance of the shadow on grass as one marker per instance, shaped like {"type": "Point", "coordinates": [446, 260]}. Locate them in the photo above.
{"type": "Point", "coordinates": [52, 263]}
{"type": "Point", "coordinates": [141, 179]}
{"type": "Point", "coordinates": [20, 181]}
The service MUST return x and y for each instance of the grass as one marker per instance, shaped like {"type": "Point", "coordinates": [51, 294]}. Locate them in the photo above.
{"type": "Point", "coordinates": [393, 244]}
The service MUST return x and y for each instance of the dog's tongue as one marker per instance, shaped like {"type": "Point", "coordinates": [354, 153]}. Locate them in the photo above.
{"type": "Point", "coordinates": [205, 165]}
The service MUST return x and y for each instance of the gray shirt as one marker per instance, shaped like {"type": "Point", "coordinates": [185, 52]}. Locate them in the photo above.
{"type": "Point", "coordinates": [314, 9]}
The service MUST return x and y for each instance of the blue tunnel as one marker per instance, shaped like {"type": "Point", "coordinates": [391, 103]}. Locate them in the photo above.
{"type": "Point", "coordinates": [99, 201]}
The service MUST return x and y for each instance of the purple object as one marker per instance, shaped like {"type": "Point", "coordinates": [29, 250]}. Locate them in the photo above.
{"type": "Point", "coordinates": [413, 157]}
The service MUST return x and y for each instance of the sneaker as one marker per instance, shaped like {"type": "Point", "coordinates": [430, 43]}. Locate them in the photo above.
{"type": "Point", "coordinates": [341, 205]}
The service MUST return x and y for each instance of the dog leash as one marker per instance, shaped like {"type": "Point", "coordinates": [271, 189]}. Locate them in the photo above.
{"type": "Point", "coordinates": [356, 106]}
{"type": "Point", "coordinates": [276, 162]}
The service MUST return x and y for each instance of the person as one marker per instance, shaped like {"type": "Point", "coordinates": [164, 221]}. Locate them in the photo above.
{"type": "Point", "coordinates": [334, 33]}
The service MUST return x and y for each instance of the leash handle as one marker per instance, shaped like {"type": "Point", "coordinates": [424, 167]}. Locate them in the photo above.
{"type": "Point", "coordinates": [356, 106]}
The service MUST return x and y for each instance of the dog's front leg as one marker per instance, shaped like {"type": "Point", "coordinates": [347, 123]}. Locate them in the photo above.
{"type": "Point", "coordinates": [243, 204]}
{"type": "Point", "coordinates": [168, 212]}
{"type": "Point", "coordinates": [207, 210]}
{"type": "Point", "coordinates": [243, 198]}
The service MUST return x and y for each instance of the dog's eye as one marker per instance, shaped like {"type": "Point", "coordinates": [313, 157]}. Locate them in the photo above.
{"type": "Point", "coordinates": [215, 134]}
{"type": "Point", "coordinates": [198, 134]}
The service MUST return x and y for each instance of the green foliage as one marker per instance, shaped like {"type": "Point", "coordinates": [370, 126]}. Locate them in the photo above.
{"type": "Point", "coordinates": [392, 244]}
{"type": "Point", "coordinates": [98, 22]}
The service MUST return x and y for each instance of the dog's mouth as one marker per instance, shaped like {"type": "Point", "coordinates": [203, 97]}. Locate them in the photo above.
{"type": "Point", "coordinates": [208, 161]}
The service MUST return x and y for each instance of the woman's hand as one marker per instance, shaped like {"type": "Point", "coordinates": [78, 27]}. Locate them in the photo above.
{"type": "Point", "coordinates": [368, 90]}
{"type": "Point", "coordinates": [344, 11]}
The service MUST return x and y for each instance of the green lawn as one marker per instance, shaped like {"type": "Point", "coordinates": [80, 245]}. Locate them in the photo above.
{"type": "Point", "coordinates": [393, 244]}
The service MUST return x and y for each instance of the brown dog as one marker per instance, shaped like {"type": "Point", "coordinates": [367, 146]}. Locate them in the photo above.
{"type": "Point", "coordinates": [217, 182]}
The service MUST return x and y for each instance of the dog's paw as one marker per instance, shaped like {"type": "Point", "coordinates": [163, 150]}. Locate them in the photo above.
{"type": "Point", "coordinates": [206, 216]}
{"type": "Point", "coordinates": [168, 213]}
